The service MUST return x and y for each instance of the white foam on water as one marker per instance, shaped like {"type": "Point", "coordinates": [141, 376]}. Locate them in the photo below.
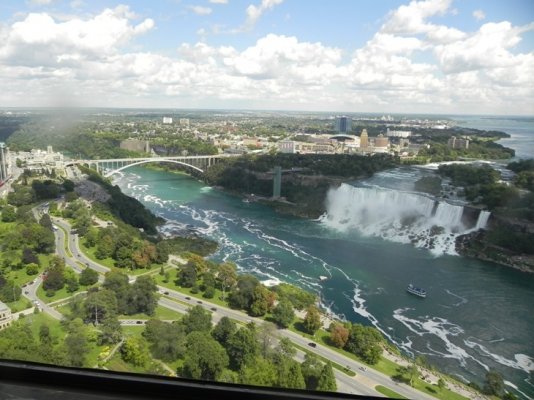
{"type": "Point", "coordinates": [463, 300]}
{"type": "Point", "coordinates": [521, 361]}
{"type": "Point", "coordinates": [440, 328]}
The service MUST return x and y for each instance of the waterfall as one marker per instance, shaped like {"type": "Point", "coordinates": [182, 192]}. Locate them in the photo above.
{"type": "Point", "coordinates": [482, 220]}
{"type": "Point", "coordinates": [394, 215]}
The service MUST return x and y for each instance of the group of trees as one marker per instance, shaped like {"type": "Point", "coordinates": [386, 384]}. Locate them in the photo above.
{"type": "Point", "coordinates": [481, 149]}
{"type": "Point", "coordinates": [228, 353]}
{"type": "Point", "coordinates": [19, 343]}
{"type": "Point", "coordinates": [363, 341]}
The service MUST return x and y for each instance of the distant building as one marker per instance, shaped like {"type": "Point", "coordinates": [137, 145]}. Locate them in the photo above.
{"type": "Point", "coordinates": [167, 120]}
{"type": "Point", "coordinates": [136, 145]}
{"type": "Point", "coordinates": [4, 162]}
{"type": "Point", "coordinates": [381, 141]}
{"type": "Point", "coordinates": [343, 124]}
{"type": "Point", "coordinates": [184, 121]}
{"type": "Point", "coordinates": [5, 316]}
{"type": "Point", "coordinates": [458, 143]}
{"type": "Point", "coordinates": [402, 134]}
{"type": "Point", "coordinates": [49, 150]}
{"type": "Point", "coordinates": [364, 139]}
{"type": "Point", "coordinates": [286, 146]}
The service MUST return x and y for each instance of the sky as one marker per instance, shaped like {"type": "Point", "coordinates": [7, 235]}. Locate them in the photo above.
{"type": "Point", "coordinates": [384, 56]}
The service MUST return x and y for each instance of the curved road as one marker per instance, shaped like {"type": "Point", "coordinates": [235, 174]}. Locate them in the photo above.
{"type": "Point", "coordinates": [362, 383]}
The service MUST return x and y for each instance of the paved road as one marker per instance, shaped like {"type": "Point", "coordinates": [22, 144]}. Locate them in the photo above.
{"type": "Point", "coordinates": [365, 378]}
{"type": "Point", "coordinates": [30, 292]}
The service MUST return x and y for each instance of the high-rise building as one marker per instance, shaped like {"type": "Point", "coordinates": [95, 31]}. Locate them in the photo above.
{"type": "Point", "coordinates": [4, 172]}
{"type": "Point", "coordinates": [364, 139]}
{"type": "Point", "coordinates": [167, 120]}
{"type": "Point", "coordinates": [343, 124]}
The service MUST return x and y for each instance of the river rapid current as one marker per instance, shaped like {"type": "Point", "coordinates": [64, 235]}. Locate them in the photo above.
{"type": "Point", "coordinates": [376, 238]}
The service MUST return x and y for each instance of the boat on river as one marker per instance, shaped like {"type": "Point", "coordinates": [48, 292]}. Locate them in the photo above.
{"type": "Point", "coordinates": [416, 291]}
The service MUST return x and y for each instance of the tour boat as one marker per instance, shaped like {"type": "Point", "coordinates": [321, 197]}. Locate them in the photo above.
{"type": "Point", "coordinates": [416, 291]}
{"type": "Point", "coordinates": [323, 278]}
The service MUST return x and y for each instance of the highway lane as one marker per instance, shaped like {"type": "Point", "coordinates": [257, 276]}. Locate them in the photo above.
{"type": "Point", "coordinates": [365, 377]}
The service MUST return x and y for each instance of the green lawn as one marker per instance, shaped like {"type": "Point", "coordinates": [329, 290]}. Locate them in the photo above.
{"type": "Point", "coordinates": [36, 320]}
{"type": "Point", "coordinates": [89, 252]}
{"type": "Point", "coordinates": [388, 392]}
{"type": "Point", "coordinates": [215, 300]}
{"type": "Point", "coordinates": [59, 294]}
{"type": "Point", "coordinates": [160, 313]}
{"type": "Point", "coordinates": [19, 305]}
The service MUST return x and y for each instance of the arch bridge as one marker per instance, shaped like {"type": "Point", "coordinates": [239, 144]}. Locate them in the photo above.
{"type": "Point", "coordinates": [114, 165]}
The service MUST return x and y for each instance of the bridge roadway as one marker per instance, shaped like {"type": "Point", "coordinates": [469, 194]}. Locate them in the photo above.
{"type": "Point", "coordinates": [363, 383]}
{"type": "Point", "coordinates": [154, 159]}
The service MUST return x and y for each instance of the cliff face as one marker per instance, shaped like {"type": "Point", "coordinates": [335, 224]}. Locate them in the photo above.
{"type": "Point", "coordinates": [507, 242]}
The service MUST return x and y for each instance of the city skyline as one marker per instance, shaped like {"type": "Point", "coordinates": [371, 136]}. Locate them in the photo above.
{"type": "Point", "coordinates": [419, 57]}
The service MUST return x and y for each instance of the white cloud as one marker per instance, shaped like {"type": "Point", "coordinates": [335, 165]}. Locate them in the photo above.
{"type": "Point", "coordinates": [218, 1]}
{"type": "Point", "coordinates": [200, 10]}
{"type": "Point", "coordinates": [40, 40]}
{"type": "Point", "coordinates": [479, 15]}
{"type": "Point", "coordinates": [40, 2]}
{"type": "Point", "coordinates": [409, 64]}
{"type": "Point", "coordinates": [255, 12]}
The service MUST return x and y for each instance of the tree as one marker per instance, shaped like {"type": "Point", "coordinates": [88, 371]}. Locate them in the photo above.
{"type": "Point", "coordinates": [88, 277]}
{"type": "Point", "coordinates": [8, 214]}
{"type": "Point", "coordinates": [413, 373]}
{"type": "Point", "coordinates": [54, 280]}
{"type": "Point", "coordinates": [110, 330]}
{"type": "Point", "coordinates": [441, 384]}
{"type": "Point", "coordinates": [105, 247]}
{"type": "Point", "coordinates": [68, 185]}
{"type": "Point", "coordinates": [205, 358]}
{"type": "Point", "coordinates": [311, 370]}
{"type": "Point", "coordinates": [242, 348]}
{"type": "Point", "coordinates": [77, 347]}
{"type": "Point", "coordinates": [46, 222]}
{"type": "Point", "coordinates": [288, 370]}
{"type": "Point", "coordinates": [258, 373]}
{"type": "Point", "coordinates": [243, 294]}
{"type": "Point", "coordinates": [262, 300]}
{"type": "Point", "coordinates": [224, 329]}
{"type": "Point", "coordinates": [266, 335]}
{"type": "Point", "coordinates": [197, 319]}
{"type": "Point", "coordinates": [339, 335]}
{"type": "Point", "coordinates": [134, 350]}
{"type": "Point", "coordinates": [227, 277]}
{"type": "Point", "coordinates": [32, 269]}
{"type": "Point", "coordinates": [327, 380]}
{"type": "Point", "coordinates": [44, 336]}
{"type": "Point", "coordinates": [364, 341]}
{"type": "Point", "coordinates": [188, 276]}
{"type": "Point", "coordinates": [167, 341]}
{"type": "Point", "coordinates": [312, 320]}
{"type": "Point", "coordinates": [142, 296]}
{"type": "Point", "coordinates": [117, 282]}
{"type": "Point", "coordinates": [283, 313]}
{"type": "Point", "coordinates": [28, 256]}
{"type": "Point", "coordinates": [100, 305]}
{"type": "Point", "coordinates": [494, 383]}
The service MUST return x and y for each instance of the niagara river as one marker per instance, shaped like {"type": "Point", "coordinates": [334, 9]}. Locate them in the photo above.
{"type": "Point", "coordinates": [376, 237]}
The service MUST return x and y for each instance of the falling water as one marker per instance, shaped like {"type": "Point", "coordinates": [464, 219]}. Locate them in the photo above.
{"type": "Point", "coordinates": [482, 220]}
{"type": "Point", "coordinates": [394, 215]}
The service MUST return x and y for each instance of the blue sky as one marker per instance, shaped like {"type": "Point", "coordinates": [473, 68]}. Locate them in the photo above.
{"type": "Point", "coordinates": [422, 56]}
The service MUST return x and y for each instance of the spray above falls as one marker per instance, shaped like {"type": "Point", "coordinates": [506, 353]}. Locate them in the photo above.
{"type": "Point", "coordinates": [398, 216]}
